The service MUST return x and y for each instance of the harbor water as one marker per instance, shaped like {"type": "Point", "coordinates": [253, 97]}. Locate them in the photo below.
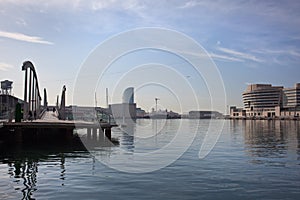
{"type": "Point", "coordinates": [252, 159]}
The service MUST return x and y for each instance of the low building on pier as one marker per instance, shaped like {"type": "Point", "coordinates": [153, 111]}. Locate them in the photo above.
{"type": "Point", "coordinates": [205, 115]}
{"type": "Point", "coordinates": [237, 113]}
{"type": "Point", "coordinates": [8, 105]}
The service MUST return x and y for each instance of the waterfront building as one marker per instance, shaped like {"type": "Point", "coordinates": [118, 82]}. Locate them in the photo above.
{"type": "Point", "coordinates": [291, 96]}
{"type": "Point", "coordinates": [163, 114]}
{"type": "Point", "coordinates": [140, 113]}
{"type": "Point", "coordinates": [8, 102]}
{"type": "Point", "coordinates": [8, 105]}
{"type": "Point", "coordinates": [173, 115]}
{"type": "Point", "coordinates": [262, 100]}
{"type": "Point", "coordinates": [204, 115]}
{"type": "Point", "coordinates": [86, 113]}
{"type": "Point", "coordinates": [237, 112]}
{"type": "Point", "coordinates": [126, 109]}
{"type": "Point", "coordinates": [267, 101]}
{"type": "Point", "coordinates": [291, 102]}
{"type": "Point", "coordinates": [123, 110]}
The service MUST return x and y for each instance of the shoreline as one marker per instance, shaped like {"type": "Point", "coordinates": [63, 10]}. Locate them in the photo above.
{"type": "Point", "coordinates": [269, 119]}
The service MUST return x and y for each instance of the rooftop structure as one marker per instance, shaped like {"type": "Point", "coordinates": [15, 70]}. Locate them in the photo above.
{"type": "Point", "coordinates": [6, 87]}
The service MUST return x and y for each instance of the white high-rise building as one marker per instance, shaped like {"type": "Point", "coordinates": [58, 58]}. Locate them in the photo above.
{"type": "Point", "coordinates": [126, 109]}
{"type": "Point", "coordinates": [128, 95]}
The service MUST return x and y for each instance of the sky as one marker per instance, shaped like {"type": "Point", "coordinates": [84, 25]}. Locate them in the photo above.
{"type": "Point", "coordinates": [249, 42]}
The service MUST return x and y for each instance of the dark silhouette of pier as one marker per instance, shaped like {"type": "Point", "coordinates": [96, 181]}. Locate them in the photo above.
{"type": "Point", "coordinates": [39, 123]}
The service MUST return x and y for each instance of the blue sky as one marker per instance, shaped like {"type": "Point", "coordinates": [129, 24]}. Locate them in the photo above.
{"type": "Point", "coordinates": [250, 41]}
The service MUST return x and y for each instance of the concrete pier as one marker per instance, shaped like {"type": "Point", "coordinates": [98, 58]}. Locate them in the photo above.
{"type": "Point", "coordinates": [51, 128]}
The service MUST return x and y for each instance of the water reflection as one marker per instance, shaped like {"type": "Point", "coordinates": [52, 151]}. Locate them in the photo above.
{"type": "Point", "coordinates": [272, 142]}
{"type": "Point", "coordinates": [146, 135]}
{"type": "Point", "coordinates": [127, 135]}
{"type": "Point", "coordinates": [23, 165]}
{"type": "Point", "coordinates": [252, 160]}
{"type": "Point", "coordinates": [24, 172]}
{"type": "Point", "coordinates": [62, 168]}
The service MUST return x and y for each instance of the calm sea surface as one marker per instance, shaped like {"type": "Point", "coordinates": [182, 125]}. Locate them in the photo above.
{"type": "Point", "coordinates": [251, 160]}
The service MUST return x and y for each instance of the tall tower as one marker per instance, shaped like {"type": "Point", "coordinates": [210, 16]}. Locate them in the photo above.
{"type": "Point", "coordinates": [128, 105]}
{"type": "Point", "coordinates": [128, 95]}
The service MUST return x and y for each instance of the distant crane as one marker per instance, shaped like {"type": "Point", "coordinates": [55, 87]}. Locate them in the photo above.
{"type": "Point", "coordinates": [156, 99]}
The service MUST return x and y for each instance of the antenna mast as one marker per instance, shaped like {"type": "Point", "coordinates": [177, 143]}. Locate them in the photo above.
{"type": "Point", "coordinates": [107, 97]}
{"type": "Point", "coordinates": [96, 99]}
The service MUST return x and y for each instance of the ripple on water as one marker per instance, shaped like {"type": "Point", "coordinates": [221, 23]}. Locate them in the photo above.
{"type": "Point", "coordinates": [250, 161]}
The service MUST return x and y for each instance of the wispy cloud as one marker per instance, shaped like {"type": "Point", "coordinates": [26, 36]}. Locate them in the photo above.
{"type": "Point", "coordinates": [239, 55]}
{"type": "Point", "coordinates": [94, 5]}
{"type": "Point", "coordinates": [289, 52]}
{"type": "Point", "coordinates": [224, 57]}
{"type": "Point", "coordinates": [23, 37]}
{"type": "Point", "coordinates": [280, 56]}
{"type": "Point", "coordinates": [189, 4]}
{"type": "Point", "coordinates": [294, 53]}
{"type": "Point", "coordinates": [5, 66]}
{"type": "Point", "coordinates": [21, 22]}
{"type": "Point", "coordinates": [213, 5]}
{"type": "Point", "coordinates": [212, 55]}
{"type": "Point", "coordinates": [127, 5]}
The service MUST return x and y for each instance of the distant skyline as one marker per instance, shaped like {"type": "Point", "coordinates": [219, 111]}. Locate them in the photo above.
{"type": "Point", "coordinates": [250, 42]}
